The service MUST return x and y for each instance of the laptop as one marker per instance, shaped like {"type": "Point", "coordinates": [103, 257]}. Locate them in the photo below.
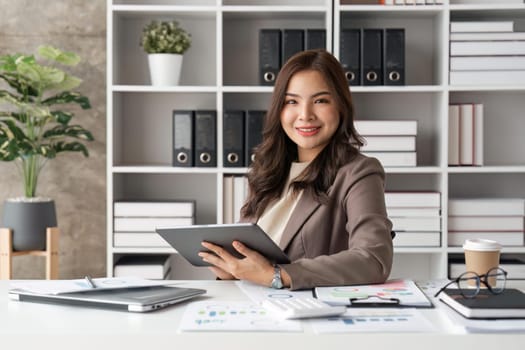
{"type": "Point", "coordinates": [137, 299]}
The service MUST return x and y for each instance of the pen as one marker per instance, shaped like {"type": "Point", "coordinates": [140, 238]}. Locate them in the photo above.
{"type": "Point", "coordinates": [90, 282]}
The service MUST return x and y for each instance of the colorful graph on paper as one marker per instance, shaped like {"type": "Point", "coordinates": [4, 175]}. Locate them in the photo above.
{"type": "Point", "coordinates": [406, 291]}
{"type": "Point", "coordinates": [233, 316]}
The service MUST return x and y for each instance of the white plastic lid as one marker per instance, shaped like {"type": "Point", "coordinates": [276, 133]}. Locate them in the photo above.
{"type": "Point", "coordinates": [481, 245]}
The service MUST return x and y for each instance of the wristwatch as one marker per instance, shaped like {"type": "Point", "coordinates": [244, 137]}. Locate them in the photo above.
{"type": "Point", "coordinates": [277, 282]}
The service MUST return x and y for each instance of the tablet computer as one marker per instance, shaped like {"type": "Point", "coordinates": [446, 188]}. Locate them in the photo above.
{"type": "Point", "coordinates": [187, 241]}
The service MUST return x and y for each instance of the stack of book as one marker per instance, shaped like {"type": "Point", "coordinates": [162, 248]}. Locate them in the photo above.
{"type": "Point", "coordinates": [416, 218]}
{"type": "Point", "coordinates": [234, 196]}
{"type": "Point", "coordinates": [391, 2]}
{"type": "Point", "coordinates": [498, 219]}
{"type": "Point", "coordinates": [392, 142]}
{"type": "Point", "coordinates": [155, 267]}
{"type": "Point", "coordinates": [465, 134]}
{"type": "Point", "coordinates": [514, 265]}
{"type": "Point", "coordinates": [135, 222]}
{"type": "Point", "coordinates": [486, 52]}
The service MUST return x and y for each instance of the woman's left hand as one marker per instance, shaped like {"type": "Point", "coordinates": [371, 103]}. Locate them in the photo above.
{"type": "Point", "coordinates": [254, 267]}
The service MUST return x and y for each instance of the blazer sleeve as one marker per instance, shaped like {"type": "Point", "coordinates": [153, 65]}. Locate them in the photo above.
{"type": "Point", "coordinates": [359, 238]}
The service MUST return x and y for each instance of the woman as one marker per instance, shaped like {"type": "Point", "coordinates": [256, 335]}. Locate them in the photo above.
{"type": "Point", "coordinates": [311, 190]}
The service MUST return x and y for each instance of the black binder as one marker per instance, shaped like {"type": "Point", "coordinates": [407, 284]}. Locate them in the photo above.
{"type": "Point", "coordinates": [269, 55]}
{"type": "Point", "coordinates": [315, 39]}
{"type": "Point", "coordinates": [253, 133]}
{"type": "Point", "coordinates": [293, 42]}
{"type": "Point", "coordinates": [205, 138]}
{"type": "Point", "coordinates": [350, 53]}
{"type": "Point", "coordinates": [394, 56]}
{"type": "Point", "coordinates": [183, 141]}
{"type": "Point", "coordinates": [233, 138]}
{"type": "Point", "coordinates": [372, 56]}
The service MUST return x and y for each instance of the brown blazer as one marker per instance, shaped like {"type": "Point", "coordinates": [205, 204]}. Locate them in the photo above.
{"type": "Point", "coordinates": [346, 241]}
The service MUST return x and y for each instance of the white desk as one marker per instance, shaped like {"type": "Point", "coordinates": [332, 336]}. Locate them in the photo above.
{"type": "Point", "coordinates": [31, 325]}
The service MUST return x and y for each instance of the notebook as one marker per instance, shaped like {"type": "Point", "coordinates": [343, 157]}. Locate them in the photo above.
{"type": "Point", "coordinates": [138, 299]}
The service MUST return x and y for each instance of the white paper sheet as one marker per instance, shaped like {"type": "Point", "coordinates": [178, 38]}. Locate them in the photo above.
{"type": "Point", "coordinates": [220, 316]}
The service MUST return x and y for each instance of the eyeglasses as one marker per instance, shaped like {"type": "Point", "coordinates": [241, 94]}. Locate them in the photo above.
{"type": "Point", "coordinates": [469, 283]}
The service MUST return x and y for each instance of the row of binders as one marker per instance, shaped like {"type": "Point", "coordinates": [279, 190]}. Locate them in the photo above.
{"type": "Point", "coordinates": [498, 219]}
{"type": "Point", "coordinates": [195, 137]}
{"type": "Point", "coordinates": [465, 134]}
{"type": "Point", "coordinates": [391, 2]}
{"type": "Point", "coordinates": [276, 46]}
{"type": "Point", "coordinates": [373, 56]}
{"type": "Point", "coordinates": [134, 222]}
{"type": "Point", "coordinates": [392, 142]}
{"type": "Point", "coordinates": [486, 52]}
{"type": "Point", "coordinates": [416, 218]}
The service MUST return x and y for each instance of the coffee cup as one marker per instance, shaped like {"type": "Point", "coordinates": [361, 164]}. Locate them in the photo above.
{"type": "Point", "coordinates": [481, 255]}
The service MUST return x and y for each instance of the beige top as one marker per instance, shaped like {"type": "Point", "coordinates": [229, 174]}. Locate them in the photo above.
{"type": "Point", "coordinates": [276, 216]}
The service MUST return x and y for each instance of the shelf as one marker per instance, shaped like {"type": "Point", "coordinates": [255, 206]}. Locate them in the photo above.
{"type": "Point", "coordinates": [393, 10]}
{"type": "Point", "coordinates": [160, 169]}
{"type": "Point", "coordinates": [487, 169]}
{"type": "Point", "coordinates": [143, 250]}
{"type": "Point", "coordinates": [149, 88]}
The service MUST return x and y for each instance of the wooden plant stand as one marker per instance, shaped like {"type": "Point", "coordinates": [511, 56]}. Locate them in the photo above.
{"type": "Point", "coordinates": [7, 253]}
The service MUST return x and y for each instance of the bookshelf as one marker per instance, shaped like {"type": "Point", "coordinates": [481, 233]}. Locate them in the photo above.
{"type": "Point", "coordinates": [220, 72]}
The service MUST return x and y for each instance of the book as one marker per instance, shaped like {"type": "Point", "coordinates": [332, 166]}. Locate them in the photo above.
{"type": "Point", "coordinates": [417, 239]}
{"type": "Point", "coordinates": [486, 206]}
{"type": "Point", "coordinates": [156, 209]}
{"type": "Point", "coordinates": [453, 135]}
{"type": "Point", "coordinates": [481, 63]}
{"type": "Point", "coordinates": [412, 199]}
{"type": "Point", "coordinates": [389, 143]}
{"type": "Point", "coordinates": [392, 159]}
{"type": "Point", "coordinates": [487, 77]}
{"type": "Point", "coordinates": [134, 224]}
{"type": "Point", "coordinates": [485, 223]}
{"type": "Point", "coordinates": [478, 134]}
{"type": "Point", "coordinates": [457, 238]}
{"type": "Point", "coordinates": [411, 212]}
{"type": "Point", "coordinates": [386, 127]}
{"type": "Point", "coordinates": [138, 239]}
{"type": "Point", "coordinates": [481, 26]}
{"type": "Point", "coordinates": [509, 304]}
{"type": "Point", "coordinates": [227, 200]}
{"type": "Point", "coordinates": [466, 134]}
{"type": "Point", "coordinates": [515, 267]}
{"type": "Point", "coordinates": [144, 266]}
{"type": "Point", "coordinates": [487, 48]}
{"type": "Point", "coordinates": [432, 223]}
{"type": "Point", "coordinates": [487, 36]}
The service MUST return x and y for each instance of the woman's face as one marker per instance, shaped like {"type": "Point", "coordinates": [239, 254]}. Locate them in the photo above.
{"type": "Point", "coordinates": [309, 115]}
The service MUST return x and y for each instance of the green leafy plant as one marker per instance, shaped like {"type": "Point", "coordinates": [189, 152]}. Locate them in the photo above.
{"type": "Point", "coordinates": [32, 129]}
{"type": "Point", "coordinates": [165, 37]}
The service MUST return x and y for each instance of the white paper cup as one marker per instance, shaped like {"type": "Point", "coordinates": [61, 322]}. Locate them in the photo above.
{"type": "Point", "coordinates": [481, 255]}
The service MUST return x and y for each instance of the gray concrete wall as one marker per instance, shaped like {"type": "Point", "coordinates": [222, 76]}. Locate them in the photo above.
{"type": "Point", "coordinates": [77, 184]}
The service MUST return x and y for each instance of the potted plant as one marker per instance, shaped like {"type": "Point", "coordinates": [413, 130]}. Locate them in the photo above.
{"type": "Point", "coordinates": [165, 42]}
{"type": "Point", "coordinates": [34, 128]}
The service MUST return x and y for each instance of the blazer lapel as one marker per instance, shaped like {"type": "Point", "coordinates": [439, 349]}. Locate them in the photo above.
{"type": "Point", "coordinates": [302, 212]}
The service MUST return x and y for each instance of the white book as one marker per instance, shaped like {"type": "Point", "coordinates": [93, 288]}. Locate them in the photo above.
{"type": "Point", "coordinates": [485, 223]}
{"type": "Point", "coordinates": [239, 196]}
{"type": "Point", "coordinates": [487, 63]}
{"type": "Point", "coordinates": [139, 239]}
{"type": "Point", "coordinates": [393, 159]}
{"type": "Point", "coordinates": [487, 48]}
{"type": "Point", "coordinates": [486, 77]}
{"type": "Point", "coordinates": [410, 212]}
{"type": "Point", "coordinates": [453, 135]}
{"type": "Point", "coordinates": [386, 127]}
{"type": "Point", "coordinates": [144, 266]}
{"type": "Point", "coordinates": [413, 199]}
{"type": "Point", "coordinates": [486, 206]}
{"type": "Point", "coordinates": [490, 2]}
{"type": "Point", "coordinates": [420, 2]}
{"type": "Point", "coordinates": [424, 224]}
{"type": "Point", "coordinates": [389, 143]}
{"type": "Point", "coordinates": [149, 224]}
{"type": "Point", "coordinates": [227, 200]}
{"type": "Point", "coordinates": [156, 209]}
{"type": "Point", "coordinates": [457, 238]}
{"type": "Point", "coordinates": [466, 134]}
{"type": "Point", "coordinates": [487, 36]}
{"type": "Point", "coordinates": [481, 26]}
{"type": "Point", "coordinates": [417, 239]}
{"type": "Point", "coordinates": [478, 134]}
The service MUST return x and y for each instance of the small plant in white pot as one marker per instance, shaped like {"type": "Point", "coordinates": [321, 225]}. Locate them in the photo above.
{"type": "Point", "coordinates": [35, 126]}
{"type": "Point", "coordinates": [165, 42]}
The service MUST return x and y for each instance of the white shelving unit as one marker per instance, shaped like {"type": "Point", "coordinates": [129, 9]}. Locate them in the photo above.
{"type": "Point", "coordinates": [220, 72]}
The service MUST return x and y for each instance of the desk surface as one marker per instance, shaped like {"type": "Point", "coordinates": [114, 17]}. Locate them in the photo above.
{"type": "Point", "coordinates": [30, 325]}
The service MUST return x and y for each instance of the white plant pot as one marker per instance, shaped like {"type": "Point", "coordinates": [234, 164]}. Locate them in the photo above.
{"type": "Point", "coordinates": [165, 68]}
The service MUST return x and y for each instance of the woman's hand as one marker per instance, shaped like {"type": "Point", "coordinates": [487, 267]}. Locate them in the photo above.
{"type": "Point", "coordinates": [254, 267]}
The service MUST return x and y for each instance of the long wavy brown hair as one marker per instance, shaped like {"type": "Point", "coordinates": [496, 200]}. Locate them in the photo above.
{"type": "Point", "coordinates": [273, 157]}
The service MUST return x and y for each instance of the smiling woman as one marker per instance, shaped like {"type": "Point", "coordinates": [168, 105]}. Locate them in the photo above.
{"type": "Point", "coordinates": [310, 188]}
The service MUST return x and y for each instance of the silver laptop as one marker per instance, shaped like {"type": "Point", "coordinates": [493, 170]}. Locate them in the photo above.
{"type": "Point", "coordinates": [140, 299]}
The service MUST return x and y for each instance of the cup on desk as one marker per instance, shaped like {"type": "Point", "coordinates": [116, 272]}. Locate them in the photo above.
{"type": "Point", "coordinates": [481, 255]}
